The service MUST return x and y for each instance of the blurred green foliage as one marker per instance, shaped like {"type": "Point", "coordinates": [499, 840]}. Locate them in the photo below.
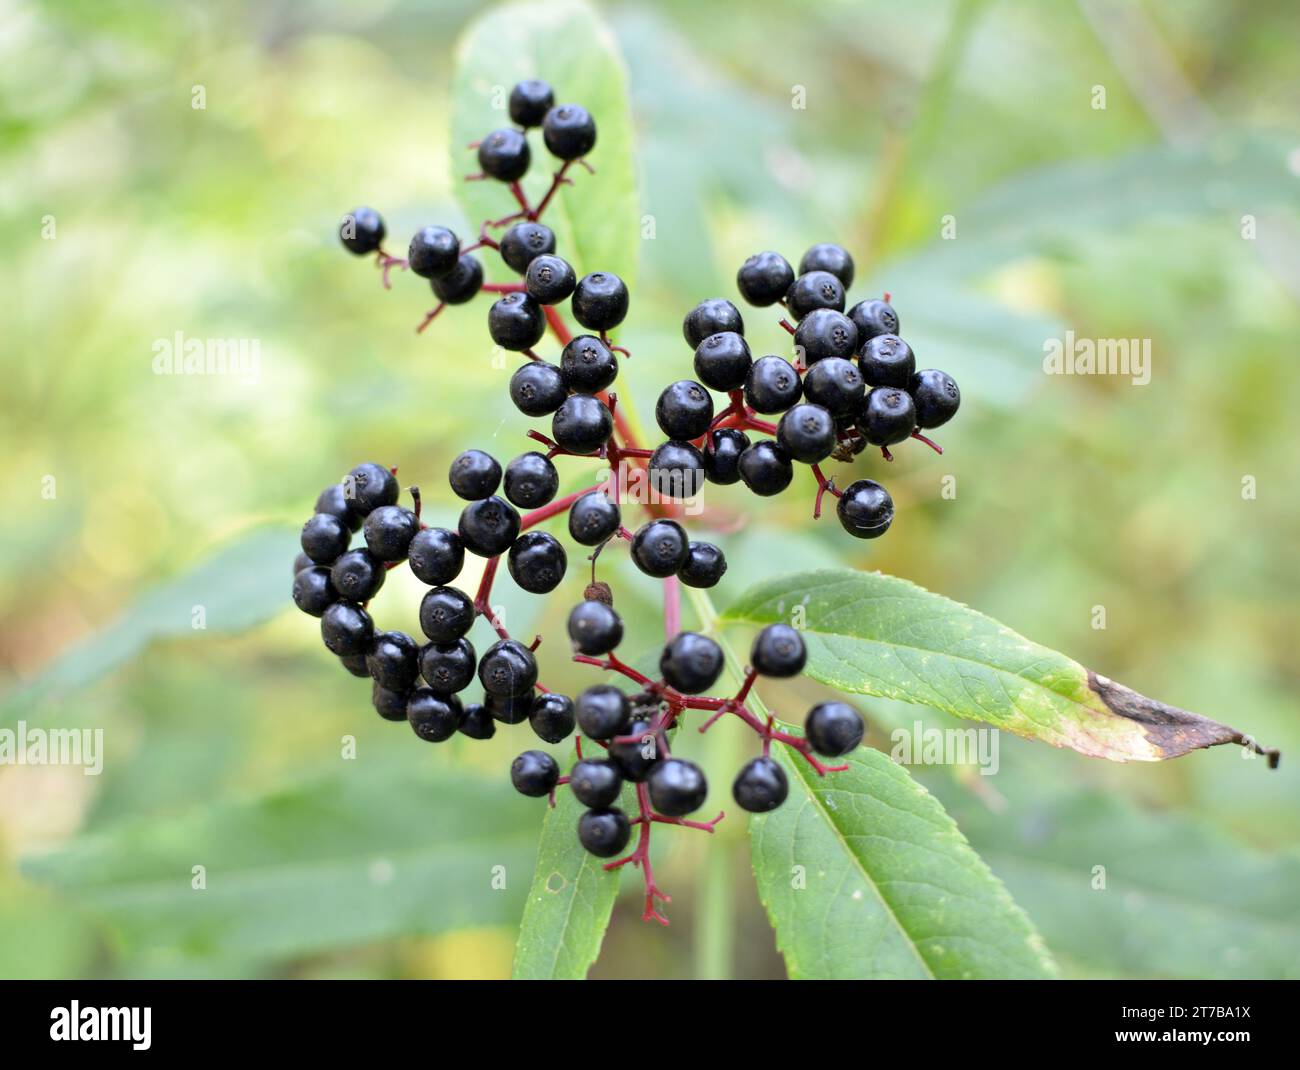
{"type": "Point", "coordinates": [130, 215]}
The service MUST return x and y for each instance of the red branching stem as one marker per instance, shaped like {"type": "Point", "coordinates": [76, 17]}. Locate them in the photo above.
{"type": "Point", "coordinates": [604, 337]}
{"type": "Point", "coordinates": [483, 598]}
{"type": "Point", "coordinates": [557, 180]}
{"type": "Point", "coordinates": [414, 492]}
{"type": "Point", "coordinates": [750, 676]}
{"type": "Point", "coordinates": [518, 192]}
{"type": "Point", "coordinates": [502, 287]}
{"type": "Point", "coordinates": [386, 262]}
{"type": "Point", "coordinates": [641, 857]}
{"type": "Point", "coordinates": [929, 442]}
{"type": "Point", "coordinates": [672, 606]}
{"type": "Point", "coordinates": [430, 316]}
{"type": "Point", "coordinates": [824, 486]}
{"type": "Point", "coordinates": [703, 826]}
{"type": "Point", "coordinates": [787, 325]}
{"type": "Point", "coordinates": [560, 505]}
{"type": "Point", "coordinates": [558, 783]}
{"type": "Point", "coordinates": [884, 452]}
{"type": "Point", "coordinates": [612, 663]}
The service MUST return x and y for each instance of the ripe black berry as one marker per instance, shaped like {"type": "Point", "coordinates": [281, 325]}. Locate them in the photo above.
{"type": "Point", "coordinates": [825, 333]}
{"type": "Point", "coordinates": [676, 470]}
{"type": "Point", "coordinates": [392, 659]}
{"type": "Point", "coordinates": [722, 455]}
{"type": "Point", "coordinates": [534, 773]}
{"type": "Point", "coordinates": [677, 787]}
{"type": "Point", "coordinates": [504, 155]}
{"type": "Point", "coordinates": [447, 667]}
{"type": "Point", "coordinates": [436, 556]}
{"type": "Point", "coordinates": [772, 385]}
{"type": "Point", "coordinates": [873, 318]}
{"type": "Point", "coordinates": [509, 709]}
{"type": "Point", "coordinates": [764, 278]}
{"type": "Point", "coordinates": [356, 665]}
{"type": "Point", "coordinates": [765, 468]}
{"type": "Point", "coordinates": [569, 131]}
{"type": "Point", "coordinates": [312, 591]}
{"type": "Point", "coordinates": [362, 231]}
{"type": "Point", "coordinates": [446, 614]}
{"type": "Point", "coordinates": [888, 416]}
{"type": "Point", "coordinates": [691, 663]}
{"type": "Point", "coordinates": [807, 432]}
{"type": "Point", "coordinates": [637, 757]}
{"type": "Point", "coordinates": [722, 361]}
{"type": "Point", "coordinates": [600, 301]}
{"type": "Point", "coordinates": [389, 531]}
{"type": "Point", "coordinates": [433, 717]}
{"type": "Point", "coordinates": [300, 562]}
{"type": "Point", "coordinates": [524, 242]}
{"type": "Point", "coordinates": [530, 100]}
{"type": "Point", "coordinates": [390, 705]}
{"type": "Point", "coordinates": [489, 527]}
{"type": "Point", "coordinates": [433, 252]}
{"type": "Point", "coordinates": [552, 717]}
{"type": "Point", "coordinates": [595, 782]}
{"type": "Point", "coordinates": [778, 650]}
{"type": "Point", "coordinates": [516, 322]}
{"type": "Point", "coordinates": [684, 410]}
{"type": "Point", "coordinates": [582, 424]}
{"type": "Point", "coordinates": [588, 364]}
{"type": "Point", "coordinates": [550, 279]}
{"type": "Point", "coordinates": [507, 668]}
{"type": "Point", "coordinates": [357, 575]}
{"type": "Point", "coordinates": [594, 628]}
{"type": "Point", "coordinates": [836, 385]}
{"type": "Point", "coordinates": [332, 501]}
{"type": "Point", "coordinates": [886, 360]}
{"type": "Point", "coordinates": [760, 786]}
{"type": "Point", "coordinates": [704, 567]}
{"type": "Point", "coordinates": [324, 537]}
{"type": "Point", "coordinates": [474, 475]}
{"type": "Point", "coordinates": [537, 562]}
{"type": "Point", "coordinates": [593, 518]}
{"type": "Point", "coordinates": [538, 388]}
{"type": "Point", "coordinates": [346, 629]}
{"type": "Point", "coordinates": [713, 316]}
{"type": "Point", "coordinates": [476, 722]}
{"type": "Point", "coordinates": [865, 509]}
{"type": "Point", "coordinates": [659, 548]}
{"type": "Point", "coordinates": [936, 397]}
{"type": "Point", "coordinates": [531, 480]}
{"type": "Point", "coordinates": [368, 486]}
{"type": "Point", "coordinates": [833, 728]}
{"type": "Point", "coordinates": [829, 257]}
{"type": "Point", "coordinates": [462, 283]}
{"type": "Point", "coordinates": [603, 711]}
{"type": "Point", "coordinates": [817, 289]}
{"type": "Point", "coordinates": [604, 833]}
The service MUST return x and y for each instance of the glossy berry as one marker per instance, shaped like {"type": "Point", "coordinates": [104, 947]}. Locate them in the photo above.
{"type": "Point", "coordinates": [446, 614]}
{"type": "Point", "coordinates": [504, 155]}
{"type": "Point", "coordinates": [595, 782]}
{"type": "Point", "coordinates": [489, 527]}
{"type": "Point", "coordinates": [676, 470]}
{"type": "Point", "coordinates": [833, 728]}
{"type": "Point", "coordinates": [462, 283]}
{"type": "Point", "coordinates": [722, 455]}
{"type": "Point", "coordinates": [765, 468]}
{"type": "Point", "coordinates": [764, 278]}
{"type": "Point", "coordinates": [760, 786]}
{"type": "Point", "coordinates": [436, 556]}
{"type": "Point", "coordinates": [534, 773]}
{"type": "Point", "coordinates": [393, 660]}
{"type": "Point", "coordinates": [389, 531]}
{"type": "Point", "coordinates": [659, 548]}
{"type": "Point", "coordinates": [390, 705]}
{"type": "Point", "coordinates": [888, 416]}
{"type": "Point", "coordinates": [936, 397]}
{"type": "Point", "coordinates": [550, 279]}
{"type": "Point", "coordinates": [603, 711]}
{"type": "Point", "coordinates": [509, 709]}
{"type": "Point", "coordinates": [836, 385]}
{"type": "Point", "coordinates": [357, 575]}
{"type": "Point", "coordinates": [433, 252]}
{"type": "Point", "coordinates": [588, 365]}
{"type": "Point", "coordinates": [356, 665]}
{"type": "Point", "coordinates": [825, 333]}
{"type": "Point", "coordinates": [324, 537]}
{"type": "Point", "coordinates": [582, 424]}
{"type": "Point", "coordinates": [569, 131]}
{"type": "Point", "coordinates": [531, 480]}
{"type": "Point", "coordinates": [722, 361]}
{"type": "Point", "coordinates": [538, 388]}
{"type": "Point", "coordinates": [684, 410]}
{"type": "Point", "coordinates": [772, 385]}
{"type": "Point", "coordinates": [873, 318]}
{"type": "Point", "coordinates": [312, 591]}
{"type": "Point", "coordinates": [691, 663]}
{"type": "Point", "coordinates": [593, 518]}
{"type": "Point", "coordinates": [865, 509]}
{"type": "Point", "coordinates": [433, 717]}
{"type": "Point", "coordinates": [524, 242]}
{"type": "Point", "coordinates": [713, 316]}
{"type": "Point", "coordinates": [677, 787]}
{"type": "Point", "coordinates": [552, 717]}
{"type": "Point", "coordinates": [886, 360]}
{"type": "Point", "coordinates": [600, 301]}
{"type": "Point", "coordinates": [779, 651]}
{"type": "Point", "coordinates": [637, 757]}
{"type": "Point", "coordinates": [368, 486]}
{"type": "Point", "coordinates": [530, 100]}
{"type": "Point", "coordinates": [704, 567]}
{"type": "Point", "coordinates": [594, 628]}
{"type": "Point", "coordinates": [346, 629]}
{"type": "Point", "coordinates": [817, 289]}
{"type": "Point", "coordinates": [516, 322]}
{"type": "Point", "coordinates": [362, 231]}
{"type": "Point", "coordinates": [331, 500]}
{"type": "Point", "coordinates": [537, 562]}
{"type": "Point", "coordinates": [300, 562]}
{"type": "Point", "coordinates": [807, 433]}
{"type": "Point", "coordinates": [604, 833]}
{"type": "Point", "coordinates": [476, 722]}
{"type": "Point", "coordinates": [507, 668]}
{"type": "Point", "coordinates": [448, 667]}
{"type": "Point", "coordinates": [829, 257]}
{"type": "Point", "coordinates": [474, 475]}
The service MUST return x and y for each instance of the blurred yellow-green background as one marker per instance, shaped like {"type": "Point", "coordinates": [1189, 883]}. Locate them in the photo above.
{"type": "Point", "coordinates": [959, 150]}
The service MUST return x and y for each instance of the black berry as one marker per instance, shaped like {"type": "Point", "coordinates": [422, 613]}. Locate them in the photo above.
{"type": "Point", "coordinates": [684, 410]}
{"type": "Point", "coordinates": [462, 283]}
{"type": "Point", "coordinates": [448, 667]}
{"type": "Point", "coordinates": [595, 782]}
{"type": "Point", "coordinates": [552, 717]}
{"type": "Point", "coordinates": [594, 628]}
{"type": "Point", "coordinates": [531, 480]}
{"type": "Point", "coordinates": [836, 385]}
{"type": "Point", "coordinates": [534, 773]}
{"type": "Point", "coordinates": [474, 475]}
{"type": "Point", "coordinates": [389, 531]}
{"type": "Point", "coordinates": [603, 711]}
{"type": "Point", "coordinates": [582, 424]}
{"type": "Point", "coordinates": [362, 231]}
{"type": "Point", "coordinates": [516, 322]}
{"type": "Point", "coordinates": [550, 279]}
{"type": "Point", "coordinates": [476, 722]}
{"type": "Point", "coordinates": [722, 361]}
{"type": "Point", "coordinates": [760, 786]}
{"type": "Point", "coordinates": [569, 131]}
{"type": "Point", "coordinates": [765, 468]}
{"type": "Point", "coordinates": [509, 709]}
{"type": "Point", "coordinates": [713, 316]}
{"type": "Point", "coordinates": [659, 548]}
{"type": "Point", "coordinates": [356, 665]}
{"type": "Point", "coordinates": [865, 509]}
{"type": "Point", "coordinates": [886, 360]}
{"type": "Point", "coordinates": [368, 486]}
{"type": "Point", "coordinates": [390, 705]}
{"type": "Point", "coordinates": [888, 416]}
{"type": "Point", "coordinates": [817, 289]}
{"type": "Point", "coordinates": [446, 614]}
{"type": "Point", "coordinates": [593, 518]}
{"type": "Point", "coordinates": [537, 562]}
{"type": "Point", "coordinates": [637, 757]}
{"type": "Point", "coordinates": [778, 650]}
{"type": "Point", "coordinates": [530, 100]}
{"type": "Point", "coordinates": [600, 301]}
{"type": "Point", "coordinates": [772, 385]}
{"type": "Point", "coordinates": [436, 556]}
{"type": "Point", "coordinates": [538, 388]}
{"type": "Point", "coordinates": [331, 500]}
{"type": "Point", "coordinates": [588, 364]}
{"type": "Point", "coordinates": [312, 591]}
{"type": "Point", "coordinates": [433, 252]}
{"type": "Point", "coordinates": [504, 155]}
{"type": "Point", "coordinates": [433, 717]}
{"type": "Point", "coordinates": [604, 833]}
{"type": "Point", "coordinates": [393, 660]}
{"type": "Point", "coordinates": [872, 318]}
{"type": "Point", "coordinates": [489, 528]}
{"type": "Point", "coordinates": [807, 432]}
{"type": "Point", "coordinates": [676, 470]}
{"type": "Point", "coordinates": [691, 663]}
{"type": "Point", "coordinates": [524, 242]}
{"type": "Point", "coordinates": [764, 278]}
{"type": "Point", "coordinates": [704, 567]}
{"type": "Point", "coordinates": [825, 333]}
{"type": "Point", "coordinates": [935, 395]}
{"type": "Point", "coordinates": [828, 257]}
{"type": "Point", "coordinates": [722, 455]}
{"type": "Point", "coordinates": [833, 728]}
{"type": "Point", "coordinates": [346, 629]}
{"type": "Point", "coordinates": [677, 787]}
{"type": "Point", "coordinates": [324, 537]}
{"type": "Point", "coordinates": [507, 668]}
{"type": "Point", "coordinates": [357, 575]}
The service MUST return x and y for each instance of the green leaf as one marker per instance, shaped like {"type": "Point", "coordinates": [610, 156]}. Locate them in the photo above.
{"type": "Point", "coordinates": [871, 634]}
{"type": "Point", "coordinates": [596, 221]}
{"type": "Point", "coordinates": [376, 851]}
{"type": "Point", "coordinates": [864, 875]}
{"type": "Point", "coordinates": [569, 904]}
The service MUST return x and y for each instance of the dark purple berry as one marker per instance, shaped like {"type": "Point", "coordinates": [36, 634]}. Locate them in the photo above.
{"type": "Point", "coordinates": [393, 660]}
{"type": "Point", "coordinates": [593, 518]}
{"type": "Point", "coordinates": [676, 470]}
{"type": "Point", "coordinates": [516, 322]}
{"type": "Point", "coordinates": [324, 537]}
{"type": "Point", "coordinates": [569, 131]}
{"type": "Point", "coordinates": [389, 531]}
{"type": "Point", "coordinates": [765, 468]}
{"type": "Point", "coordinates": [713, 316]}
{"type": "Point", "coordinates": [764, 278]}
{"type": "Point", "coordinates": [659, 548]}
{"type": "Point", "coordinates": [772, 385]}
{"type": "Point", "coordinates": [346, 629]}
{"type": "Point", "coordinates": [461, 284]}
{"type": "Point", "coordinates": [817, 289]}
{"type": "Point", "coordinates": [886, 360]}
{"type": "Point", "coordinates": [504, 155]}
{"type": "Point", "coordinates": [936, 397]}
{"type": "Point", "coordinates": [582, 424]}
{"type": "Point", "coordinates": [476, 722]}
{"type": "Point", "coordinates": [595, 782]}
{"type": "Point", "coordinates": [704, 567]}
{"type": "Point", "coordinates": [722, 361]}
{"type": "Point", "coordinates": [833, 728]}
{"type": "Point", "coordinates": [722, 455]}
{"type": "Point", "coordinates": [538, 388]}
{"type": "Point", "coordinates": [588, 365]}
{"type": "Point", "coordinates": [836, 385]}
{"type": "Point", "coordinates": [677, 787]}
{"type": "Point", "coordinates": [534, 773]}
{"type": "Point", "coordinates": [434, 252]}
{"type": "Point", "coordinates": [448, 667]}
{"type": "Point", "coordinates": [552, 717]}
{"type": "Point", "coordinates": [433, 717]}
{"type": "Point", "coordinates": [507, 668]}
{"type": "Point", "coordinates": [362, 231]}
{"type": "Point", "coordinates": [489, 528]}
{"type": "Point", "coordinates": [531, 480]}
{"type": "Point", "coordinates": [357, 575]}
{"type": "Point", "coordinates": [865, 509]}
{"type": "Point", "coordinates": [691, 663]}
{"type": "Point", "coordinates": [807, 432]}
{"type": "Point", "coordinates": [530, 100]}
{"type": "Point", "coordinates": [779, 651]}
{"type": "Point", "coordinates": [524, 242]}
{"type": "Point", "coordinates": [474, 475]}
{"type": "Point", "coordinates": [828, 257]}
{"type": "Point", "coordinates": [872, 318]}
{"type": "Point", "coordinates": [594, 628]}
{"type": "Point", "coordinates": [600, 301]}
{"type": "Point", "coordinates": [603, 711]}
{"type": "Point", "coordinates": [604, 833]}
{"type": "Point", "coordinates": [888, 416]}
{"type": "Point", "coordinates": [684, 410]}
{"type": "Point", "coordinates": [446, 614]}
{"type": "Point", "coordinates": [436, 556]}
{"type": "Point", "coordinates": [312, 591]}
{"type": "Point", "coordinates": [537, 562]}
{"type": "Point", "coordinates": [760, 786]}
{"type": "Point", "coordinates": [825, 333]}
{"type": "Point", "coordinates": [550, 279]}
